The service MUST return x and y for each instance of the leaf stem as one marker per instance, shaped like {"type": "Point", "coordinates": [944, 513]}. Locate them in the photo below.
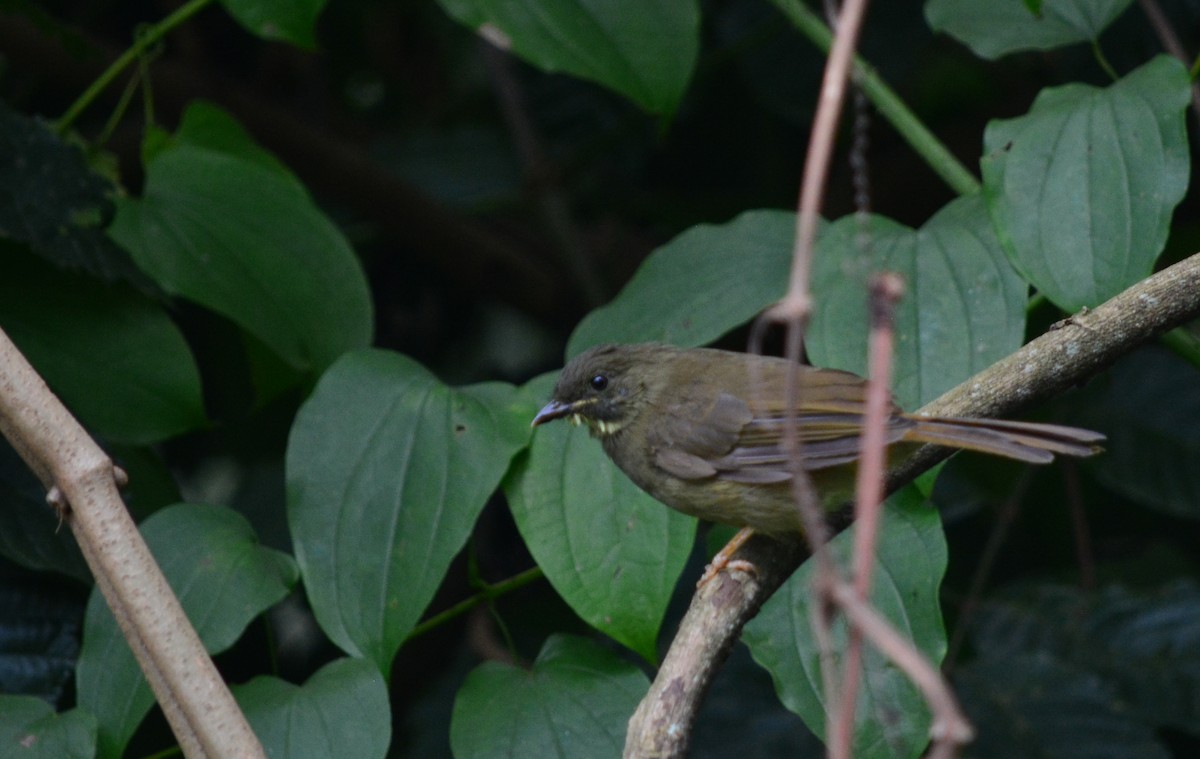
{"type": "Point", "coordinates": [141, 43]}
{"type": "Point", "coordinates": [1103, 61]}
{"type": "Point", "coordinates": [487, 593]}
{"type": "Point", "coordinates": [890, 106]}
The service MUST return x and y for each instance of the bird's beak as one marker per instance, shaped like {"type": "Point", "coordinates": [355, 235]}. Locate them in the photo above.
{"type": "Point", "coordinates": [551, 411]}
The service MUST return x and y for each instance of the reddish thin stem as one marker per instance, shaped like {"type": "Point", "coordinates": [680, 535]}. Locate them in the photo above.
{"type": "Point", "coordinates": [886, 290]}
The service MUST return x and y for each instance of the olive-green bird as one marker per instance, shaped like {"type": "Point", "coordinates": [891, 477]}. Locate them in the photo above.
{"type": "Point", "coordinates": [702, 430]}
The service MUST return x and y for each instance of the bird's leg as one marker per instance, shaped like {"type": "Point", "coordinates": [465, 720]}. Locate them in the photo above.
{"type": "Point", "coordinates": [724, 558]}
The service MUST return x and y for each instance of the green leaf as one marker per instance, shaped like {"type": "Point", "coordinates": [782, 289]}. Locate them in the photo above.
{"type": "Point", "coordinates": [51, 200]}
{"type": "Point", "coordinates": [223, 578]}
{"type": "Point", "coordinates": [207, 125]}
{"type": "Point", "coordinates": [1081, 189]}
{"type": "Point", "coordinates": [643, 49]}
{"type": "Point", "coordinates": [341, 711]}
{"type": "Point", "coordinates": [387, 471]}
{"type": "Point", "coordinates": [892, 719]}
{"type": "Point", "coordinates": [1025, 704]}
{"type": "Point", "coordinates": [963, 308]}
{"type": "Point", "coordinates": [698, 286]}
{"type": "Point", "coordinates": [29, 729]}
{"type": "Point", "coordinates": [1149, 457]}
{"type": "Point", "coordinates": [993, 28]}
{"type": "Point", "coordinates": [612, 552]}
{"type": "Point", "coordinates": [244, 239]}
{"type": "Point", "coordinates": [575, 702]}
{"type": "Point", "coordinates": [112, 355]}
{"type": "Point", "coordinates": [288, 20]}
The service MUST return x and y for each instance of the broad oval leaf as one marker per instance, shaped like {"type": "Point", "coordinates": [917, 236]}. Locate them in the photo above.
{"type": "Point", "coordinates": [387, 471]}
{"type": "Point", "coordinates": [243, 238]}
{"type": "Point", "coordinates": [341, 711]}
{"type": "Point", "coordinates": [963, 308]}
{"type": "Point", "coordinates": [699, 285]}
{"type": "Point", "coordinates": [892, 719]}
{"type": "Point", "coordinates": [574, 702]}
{"type": "Point", "coordinates": [30, 729]}
{"type": "Point", "coordinates": [643, 49]}
{"type": "Point", "coordinates": [288, 20]}
{"type": "Point", "coordinates": [222, 577]}
{"type": "Point", "coordinates": [113, 355]}
{"type": "Point", "coordinates": [994, 28]}
{"type": "Point", "coordinates": [612, 552]}
{"type": "Point", "coordinates": [1082, 188]}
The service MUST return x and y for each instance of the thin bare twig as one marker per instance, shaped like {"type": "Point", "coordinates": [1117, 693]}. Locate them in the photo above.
{"type": "Point", "coordinates": [794, 309]}
{"type": "Point", "coordinates": [541, 175]}
{"type": "Point", "coordinates": [950, 728]}
{"type": "Point", "coordinates": [886, 290]}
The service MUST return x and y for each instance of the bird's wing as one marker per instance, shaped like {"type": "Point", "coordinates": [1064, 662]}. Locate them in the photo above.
{"type": "Point", "coordinates": [741, 441]}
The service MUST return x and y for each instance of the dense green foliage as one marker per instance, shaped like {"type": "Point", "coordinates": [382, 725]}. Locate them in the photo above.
{"type": "Point", "coordinates": [313, 321]}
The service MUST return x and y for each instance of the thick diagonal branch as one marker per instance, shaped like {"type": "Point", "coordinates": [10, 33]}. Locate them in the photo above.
{"type": "Point", "coordinates": [80, 479]}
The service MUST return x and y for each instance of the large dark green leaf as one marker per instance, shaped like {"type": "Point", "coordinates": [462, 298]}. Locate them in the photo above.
{"type": "Point", "coordinates": [993, 28]}
{"type": "Point", "coordinates": [698, 286]}
{"type": "Point", "coordinates": [612, 552]}
{"type": "Point", "coordinates": [574, 702]}
{"type": "Point", "coordinates": [341, 711]}
{"type": "Point", "coordinates": [892, 719]}
{"type": "Point", "coordinates": [112, 355]}
{"type": "Point", "coordinates": [29, 729]}
{"type": "Point", "coordinates": [243, 238]}
{"type": "Point", "coordinates": [1081, 189]}
{"type": "Point", "coordinates": [288, 20]}
{"type": "Point", "coordinates": [963, 308]}
{"type": "Point", "coordinates": [643, 49]}
{"type": "Point", "coordinates": [387, 471]}
{"type": "Point", "coordinates": [223, 578]}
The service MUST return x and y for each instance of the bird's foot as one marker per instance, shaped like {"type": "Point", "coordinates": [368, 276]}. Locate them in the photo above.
{"type": "Point", "coordinates": [724, 559]}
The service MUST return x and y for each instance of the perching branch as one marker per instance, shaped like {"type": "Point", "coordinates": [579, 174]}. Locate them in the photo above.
{"type": "Point", "coordinates": [82, 483]}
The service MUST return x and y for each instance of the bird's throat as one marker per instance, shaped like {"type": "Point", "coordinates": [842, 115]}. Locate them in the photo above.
{"type": "Point", "coordinates": [599, 427]}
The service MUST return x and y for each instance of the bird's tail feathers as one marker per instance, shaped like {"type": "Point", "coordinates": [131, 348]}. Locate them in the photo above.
{"type": "Point", "coordinates": [1024, 441]}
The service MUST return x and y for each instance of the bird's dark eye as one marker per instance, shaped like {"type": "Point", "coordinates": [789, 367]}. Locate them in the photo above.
{"type": "Point", "coordinates": [599, 382]}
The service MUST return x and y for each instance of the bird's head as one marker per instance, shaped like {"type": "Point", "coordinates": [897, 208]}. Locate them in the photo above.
{"type": "Point", "coordinates": [604, 387]}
